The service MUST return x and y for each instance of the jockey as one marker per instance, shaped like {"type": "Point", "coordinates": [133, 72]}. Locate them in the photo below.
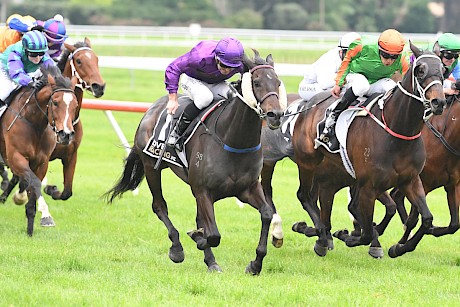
{"type": "Point", "coordinates": [366, 69]}
{"type": "Point", "coordinates": [16, 26]}
{"type": "Point", "coordinates": [322, 73]}
{"type": "Point", "coordinates": [203, 72]}
{"type": "Point", "coordinates": [21, 62]}
{"type": "Point", "coordinates": [54, 30]}
{"type": "Point", "coordinates": [447, 47]}
{"type": "Point", "coordinates": [55, 33]}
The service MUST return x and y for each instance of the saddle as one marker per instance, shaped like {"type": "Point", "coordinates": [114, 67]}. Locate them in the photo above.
{"type": "Point", "coordinates": [163, 127]}
{"type": "Point", "coordinates": [337, 137]}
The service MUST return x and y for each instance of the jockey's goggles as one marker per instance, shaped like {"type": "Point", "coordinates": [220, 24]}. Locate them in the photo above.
{"type": "Point", "coordinates": [219, 62]}
{"type": "Point", "coordinates": [388, 56]}
{"type": "Point", "coordinates": [449, 55]}
{"type": "Point", "coordinates": [33, 54]}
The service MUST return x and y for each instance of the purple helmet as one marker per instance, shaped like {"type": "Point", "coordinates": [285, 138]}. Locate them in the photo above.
{"type": "Point", "coordinates": [54, 29]}
{"type": "Point", "coordinates": [230, 52]}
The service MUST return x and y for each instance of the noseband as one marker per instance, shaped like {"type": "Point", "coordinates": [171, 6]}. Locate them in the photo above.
{"type": "Point", "coordinates": [53, 122]}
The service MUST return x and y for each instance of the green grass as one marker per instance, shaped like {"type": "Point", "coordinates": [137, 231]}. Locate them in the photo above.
{"type": "Point", "coordinates": [117, 255]}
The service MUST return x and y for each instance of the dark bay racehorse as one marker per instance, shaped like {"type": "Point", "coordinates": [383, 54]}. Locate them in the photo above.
{"type": "Point", "coordinates": [382, 157]}
{"type": "Point", "coordinates": [224, 157]}
{"type": "Point", "coordinates": [442, 168]}
{"type": "Point", "coordinates": [81, 62]}
{"type": "Point", "coordinates": [29, 130]}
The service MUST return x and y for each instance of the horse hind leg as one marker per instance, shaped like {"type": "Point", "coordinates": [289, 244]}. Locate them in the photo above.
{"type": "Point", "coordinates": [5, 179]}
{"type": "Point", "coordinates": [7, 191]}
{"type": "Point", "coordinates": [159, 207]}
{"type": "Point", "coordinates": [453, 195]}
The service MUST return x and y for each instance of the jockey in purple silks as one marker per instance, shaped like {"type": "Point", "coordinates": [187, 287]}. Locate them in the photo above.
{"type": "Point", "coordinates": [203, 72]}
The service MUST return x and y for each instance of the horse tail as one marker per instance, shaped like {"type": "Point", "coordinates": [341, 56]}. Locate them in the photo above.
{"type": "Point", "coordinates": [130, 179]}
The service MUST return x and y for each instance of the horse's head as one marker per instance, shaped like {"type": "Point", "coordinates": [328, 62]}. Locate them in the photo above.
{"type": "Point", "coordinates": [81, 61]}
{"type": "Point", "coordinates": [59, 99]}
{"type": "Point", "coordinates": [427, 75]}
{"type": "Point", "coordinates": [263, 90]}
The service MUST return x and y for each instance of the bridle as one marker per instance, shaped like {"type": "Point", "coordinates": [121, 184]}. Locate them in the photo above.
{"type": "Point", "coordinates": [82, 84]}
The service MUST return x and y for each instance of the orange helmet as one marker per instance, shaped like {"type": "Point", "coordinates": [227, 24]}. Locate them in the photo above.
{"type": "Point", "coordinates": [391, 41]}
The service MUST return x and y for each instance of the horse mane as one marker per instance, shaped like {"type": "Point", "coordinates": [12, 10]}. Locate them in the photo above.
{"type": "Point", "coordinates": [67, 52]}
{"type": "Point", "coordinates": [55, 72]}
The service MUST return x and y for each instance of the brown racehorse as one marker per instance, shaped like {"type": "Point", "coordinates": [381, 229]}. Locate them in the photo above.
{"type": "Point", "coordinates": [382, 158]}
{"type": "Point", "coordinates": [224, 157]}
{"type": "Point", "coordinates": [442, 168]}
{"type": "Point", "coordinates": [29, 130]}
{"type": "Point", "coordinates": [79, 61]}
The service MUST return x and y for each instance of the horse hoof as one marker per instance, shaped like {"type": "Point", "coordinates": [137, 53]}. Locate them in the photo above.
{"type": "Point", "coordinates": [195, 233]}
{"type": "Point", "coordinates": [277, 242]}
{"type": "Point", "coordinates": [392, 252]}
{"type": "Point", "coordinates": [251, 270]}
{"type": "Point", "coordinates": [214, 268]}
{"type": "Point", "coordinates": [47, 222]}
{"type": "Point", "coordinates": [376, 252]}
{"type": "Point", "coordinates": [320, 250]}
{"type": "Point", "coordinates": [297, 227]}
{"type": "Point", "coordinates": [4, 185]}
{"type": "Point", "coordinates": [176, 257]}
{"type": "Point", "coordinates": [341, 234]}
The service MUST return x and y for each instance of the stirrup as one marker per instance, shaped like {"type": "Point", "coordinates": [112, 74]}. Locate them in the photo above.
{"type": "Point", "coordinates": [172, 139]}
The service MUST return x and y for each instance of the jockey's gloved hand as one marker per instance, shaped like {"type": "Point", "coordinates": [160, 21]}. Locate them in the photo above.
{"type": "Point", "coordinates": [457, 84]}
{"type": "Point", "coordinates": [37, 84]}
{"type": "Point", "coordinates": [38, 28]}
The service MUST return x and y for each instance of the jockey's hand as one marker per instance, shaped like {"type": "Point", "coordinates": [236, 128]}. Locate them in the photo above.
{"type": "Point", "coordinates": [336, 90]}
{"type": "Point", "coordinates": [37, 84]}
{"type": "Point", "coordinates": [451, 91]}
{"type": "Point", "coordinates": [38, 28]}
{"type": "Point", "coordinates": [173, 103]}
{"type": "Point", "coordinates": [456, 84]}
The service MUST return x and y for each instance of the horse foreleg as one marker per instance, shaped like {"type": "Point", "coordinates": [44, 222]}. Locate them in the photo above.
{"type": "Point", "coordinates": [266, 181]}
{"type": "Point", "coordinates": [453, 197]}
{"type": "Point", "coordinates": [416, 195]}
{"type": "Point", "coordinates": [398, 198]}
{"type": "Point", "coordinates": [307, 196]}
{"type": "Point", "coordinates": [5, 179]}
{"type": "Point", "coordinates": [255, 197]}
{"type": "Point", "coordinates": [160, 208]}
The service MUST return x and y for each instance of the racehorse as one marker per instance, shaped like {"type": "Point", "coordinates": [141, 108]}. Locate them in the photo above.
{"type": "Point", "coordinates": [79, 61]}
{"type": "Point", "coordinates": [30, 128]}
{"type": "Point", "coordinates": [442, 168]}
{"type": "Point", "coordinates": [224, 157]}
{"type": "Point", "coordinates": [390, 154]}
{"type": "Point", "coordinates": [277, 145]}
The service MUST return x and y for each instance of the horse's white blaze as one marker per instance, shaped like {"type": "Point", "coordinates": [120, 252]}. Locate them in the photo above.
{"type": "Point", "coordinates": [88, 55]}
{"type": "Point", "coordinates": [68, 97]}
{"type": "Point", "coordinates": [43, 207]}
{"type": "Point", "coordinates": [277, 229]}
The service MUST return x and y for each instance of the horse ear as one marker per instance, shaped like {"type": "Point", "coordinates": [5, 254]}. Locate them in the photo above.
{"type": "Point", "coordinates": [87, 42]}
{"type": "Point", "coordinates": [270, 60]}
{"type": "Point", "coordinates": [51, 80]}
{"type": "Point", "coordinates": [417, 52]}
{"type": "Point", "coordinates": [436, 48]}
{"type": "Point", "coordinates": [248, 62]}
{"type": "Point", "coordinates": [70, 47]}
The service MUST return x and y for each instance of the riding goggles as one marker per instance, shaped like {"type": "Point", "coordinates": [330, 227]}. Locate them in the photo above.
{"type": "Point", "coordinates": [388, 56]}
{"type": "Point", "coordinates": [219, 62]}
{"type": "Point", "coordinates": [448, 55]}
{"type": "Point", "coordinates": [35, 54]}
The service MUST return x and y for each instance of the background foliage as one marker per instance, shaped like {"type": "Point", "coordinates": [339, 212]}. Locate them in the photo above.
{"type": "Point", "coordinates": [334, 15]}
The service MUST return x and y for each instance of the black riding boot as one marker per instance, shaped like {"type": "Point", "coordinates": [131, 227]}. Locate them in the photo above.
{"type": "Point", "coordinates": [344, 103]}
{"type": "Point", "coordinates": [190, 112]}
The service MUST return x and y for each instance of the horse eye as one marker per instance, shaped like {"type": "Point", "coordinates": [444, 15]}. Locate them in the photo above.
{"type": "Point", "coordinates": [55, 103]}
{"type": "Point", "coordinates": [78, 61]}
{"type": "Point", "coordinates": [256, 83]}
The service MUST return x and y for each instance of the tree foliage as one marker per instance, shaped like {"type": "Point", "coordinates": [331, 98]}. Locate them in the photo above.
{"type": "Point", "coordinates": [337, 15]}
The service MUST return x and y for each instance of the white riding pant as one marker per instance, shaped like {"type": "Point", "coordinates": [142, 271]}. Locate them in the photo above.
{"type": "Point", "coordinates": [203, 93]}
{"type": "Point", "coordinates": [7, 85]}
{"type": "Point", "coordinates": [308, 90]}
{"type": "Point", "coordinates": [361, 86]}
